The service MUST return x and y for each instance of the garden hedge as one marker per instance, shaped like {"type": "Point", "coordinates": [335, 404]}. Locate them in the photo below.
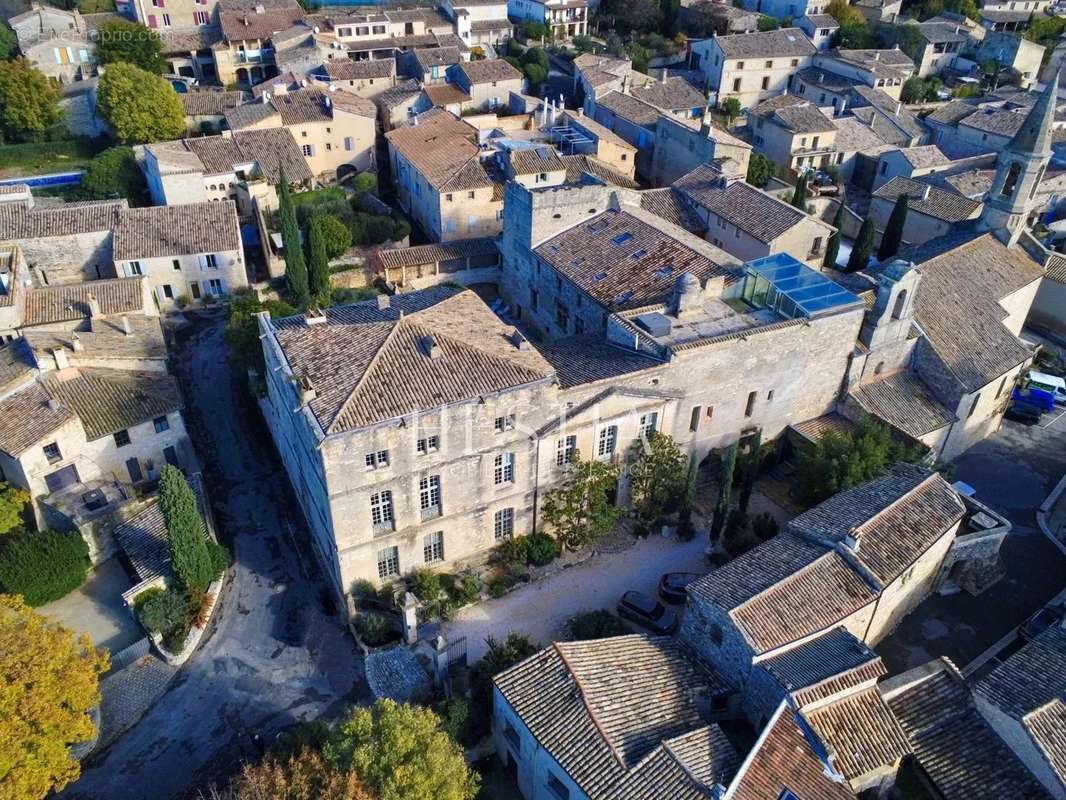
{"type": "Point", "coordinates": [42, 566]}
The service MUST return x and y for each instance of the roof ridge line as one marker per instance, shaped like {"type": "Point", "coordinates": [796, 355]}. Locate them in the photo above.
{"type": "Point", "coordinates": [362, 378]}
{"type": "Point", "coordinates": [584, 701]}
{"type": "Point", "coordinates": [905, 496]}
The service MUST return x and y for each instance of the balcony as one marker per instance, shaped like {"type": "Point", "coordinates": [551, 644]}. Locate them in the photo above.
{"type": "Point", "coordinates": [263, 55]}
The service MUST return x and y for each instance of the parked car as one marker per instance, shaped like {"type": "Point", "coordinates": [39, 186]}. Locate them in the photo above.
{"type": "Point", "coordinates": [1033, 396]}
{"type": "Point", "coordinates": [672, 586]}
{"type": "Point", "coordinates": [1025, 413]}
{"type": "Point", "coordinates": [647, 612]}
{"type": "Point", "coordinates": [1043, 619]}
{"type": "Point", "coordinates": [1052, 384]}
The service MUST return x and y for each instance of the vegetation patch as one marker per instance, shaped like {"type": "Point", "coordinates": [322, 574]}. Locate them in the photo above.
{"type": "Point", "coordinates": [42, 566]}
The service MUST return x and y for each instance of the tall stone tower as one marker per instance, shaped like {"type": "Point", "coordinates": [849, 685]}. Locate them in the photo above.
{"type": "Point", "coordinates": [1020, 168]}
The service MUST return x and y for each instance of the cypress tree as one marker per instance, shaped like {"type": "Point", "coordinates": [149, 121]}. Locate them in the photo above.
{"type": "Point", "coordinates": [832, 248]}
{"type": "Point", "coordinates": [185, 531]}
{"type": "Point", "coordinates": [893, 235]}
{"type": "Point", "coordinates": [721, 508]}
{"type": "Point", "coordinates": [751, 471]}
{"type": "Point", "coordinates": [295, 269]}
{"type": "Point", "coordinates": [318, 263]}
{"type": "Point", "coordinates": [799, 196]}
{"type": "Point", "coordinates": [864, 246]}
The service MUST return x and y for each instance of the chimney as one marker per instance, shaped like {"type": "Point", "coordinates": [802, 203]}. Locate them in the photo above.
{"type": "Point", "coordinates": [60, 356]}
{"type": "Point", "coordinates": [877, 55]}
{"type": "Point", "coordinates": [259, 9]}
{"type": "Point", "coordinates": [53, 404]}
{"type": "Point", "coordinates": [432, 348]}
{"type": "Point", "coordinates": [383, 302]}
{"type": "Point", "coordinates": [75, 342]}
{"type": "Point", "coordinates": [851, 542]}
{"type": "Point", "coordinates": [519, 341]}
{"type": "Point", "coordinates": [94, 306]}
{"type": "Point", "coordinates": [314, 316]}
{"type": "Point", "coordinates": [925, 192]}
{"type": "Point", "coordinates": [307, 391]}
{"type": "Point", "coordinates": [126, 329]}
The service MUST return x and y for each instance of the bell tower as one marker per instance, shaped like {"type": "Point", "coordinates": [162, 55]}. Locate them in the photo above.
{"type": "Point", "coordinates": [1019, 169]}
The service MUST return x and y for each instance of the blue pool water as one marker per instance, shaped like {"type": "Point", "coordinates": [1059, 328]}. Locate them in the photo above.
{"type": "Point", "coordinates": [42, 181]}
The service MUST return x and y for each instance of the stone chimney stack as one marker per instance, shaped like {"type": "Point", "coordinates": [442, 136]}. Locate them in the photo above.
{"type": "Point", "coordinates": [126, 328]}
{"type": "Point", "coordinates": [383, 302]}
{"type": "Point", "coordinates": [75, 343]}
{"type": "Point", "coordinates": [60, 356]}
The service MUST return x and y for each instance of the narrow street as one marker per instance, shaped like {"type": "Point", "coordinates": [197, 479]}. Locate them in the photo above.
{"type": "Point", "coordinates": [277, 653]}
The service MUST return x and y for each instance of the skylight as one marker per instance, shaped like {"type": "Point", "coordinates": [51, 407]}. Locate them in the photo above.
{"type": "Point", "coordinates": [639, 254]}
{"type": "Point", "coordinates": [599, 276]}
{"type": "Point", "coordinates": [622, 238]}
{"type": "Point", "coordinates": [665, 271]}
{"type": "Point", "coordinates": [793, 289]}
{"type": "Point", "coordinates": [621, 297]}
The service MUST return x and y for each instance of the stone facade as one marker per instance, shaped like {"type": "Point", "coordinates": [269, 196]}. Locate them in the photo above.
{"type": "Point", "coordinates": [680, 148]}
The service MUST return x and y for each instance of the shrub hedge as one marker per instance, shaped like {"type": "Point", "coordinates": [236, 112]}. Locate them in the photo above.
{"type": "Point", "coordinates": [42, 566]}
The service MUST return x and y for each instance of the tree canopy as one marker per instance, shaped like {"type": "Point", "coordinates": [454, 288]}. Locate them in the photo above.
{"type": "Point", "coordinates": [185, 531]}
{"type": "Point", "coordinates": [29, 102]}
{"type": "Point", "coordinates": [401, 753]}
{"type": "Point", "coordinates": [9, 43]}
{"type": "Point", "coordinates": [49, 681]}
{"type": "Point", "coordinates": [139, 106]}
{"type": "Point", "coordinates": [317, 263]}
{"type": "Point", "coordinates": [114, 173]}
{"type": "Point", "coordinates": [13, 502]}
{"type": "Point", "coordinates": [760, 169]}
{"type": "Point", "coordinates": [863, 247]}
{"type": "Point", "coordinates": [845, 14]}
{"type": "Point", "coordinates": [121, 40]}
{"type": "Point", "coordinates": [832, 248]}
{"type": "Point", "coordinates": [657, 474]}
{"type": "Point", "coordinates": [580, 510]}
{"type": "Point", "coordinates": [295, 267]}
{"type": "Point", "coordinates": [304, 775]}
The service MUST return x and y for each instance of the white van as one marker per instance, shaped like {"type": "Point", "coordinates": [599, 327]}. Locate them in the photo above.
{"type": "Point", "coordinates": [1049, 383]}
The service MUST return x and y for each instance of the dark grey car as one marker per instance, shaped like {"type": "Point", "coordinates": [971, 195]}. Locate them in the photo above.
{"type": "Point", "coordinates": [647, 612]}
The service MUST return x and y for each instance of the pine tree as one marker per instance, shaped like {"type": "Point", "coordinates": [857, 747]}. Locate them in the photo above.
{"type": "Point", "coordinates": [832, 249]}
{"type": "Point", "coordinates": [295, 269]}
{"type": "Point", "coordinates": [725, 490]}
{"type": "Point", "coordinates": [893, 235]}
{"type": "Point", "coordinates": [863, 247]}
{"type": "Point", "coordinates": [317, 263]}
{"type": "Point", "coordinates": [799, 196]}
{"type": "Point", "coordinates": [185, 531]}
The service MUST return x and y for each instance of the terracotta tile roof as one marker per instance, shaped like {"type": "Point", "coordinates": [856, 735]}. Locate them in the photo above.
{"type": "Point", "coordinates": [445, 94]}
{"type": "Point", "coordinates": [443, 149]}
{"type": "Point", "coordinates": [107, 340]}
{"type": "Point", "coordinates": [107, 400]}
{"type": "Point", "coordinates": [794, 114]}
{"type": "Point", "coordinates": [489, 71]}
{"type": "Point", "coordinates": [822, 666]}
{"type": "Point", "coordinates": [210, 103]}
{"type": "Point", "coordinates": [26, 418]}
{"type": "Point", "coordinates": [187, 229]}
{"type": "Point", "coordinates": [953, 112]}
{"type": "Point", "coordinates": [824, 78]}
{"type": "Point", "coordinates": [579, 360]}
{"type": "Point", "coordinates": [874, 58]}
{"type": "Point", "coordinates": [348, 69]}
{"type": "Point", "coordinates": [577, 166]}
{"type": "Point", "coordinates": [895, 518]}
{"type": "Point", "coordinates": [1001, 122]}
{"type": "Point", "coordinates": [484, 25]}
{"type": "Point", "coordinates": [904, 402]}
{"type": "Point", "coordinates": [249, 114]}
{"type": "Point", "coordinates": [940, 204]}
{"type": "Point", "coordinates": [369, 365]}
{"type": "Point", "coordinates": [16, 364]}
{"type": "Point", "coordinates": [434, 253]}
{"type": "Point", "coordinates": [672, 94]}
{"type": "Point", "coordinates": [19, 221]}
{"type": "Point", "coordinates": [174, 41]}
{"type": "Point", "coordinates": [956, 748]}
{"type": "Point", "coordinates": [923, 156]}
{"type": "Point", "coordinates": [1031, 678]}
{"type": "Point", "coordinates": [1047, 728]}
{"type": "Point", "coordinates": [532, 160]}
{"type": "Point", "coordinates": [861, 733]}
{"type": "Point", "coordinates": [667, 204]}
{"type": "Point", "coordinates": [767, 44]}
{"type": "Point", "coordinates": [622, 261]}
{"type": "Point", "coordinates": [437, 56]}
{"type": "Point", "coordinates": [143, 537]}
{"type": "Point", "coordinates": [753, 211]}
{"type": "Point", "coordinates": [891, 111]}
{"type": "Point", "coordinates": [783, 759]}
{"type": "Point", "coordinates": [270, 148]}
{"type": "Point", "coordinates": [686, 767]}
{"type": "Point", "coordinates": [600, 707]}
{"type": "Point", "coordinates": [630, 108]}
{"type": "Point", "coordinates": [814, 428]}
{"type": "Point", "coordinates": [400, 93]}
{"type": "Point", "coordinates": [854, 135]}
{"type": "Point", "coordinates": [1056, 269]}
{"type": "Point", "coordinates": [70, 302]}
{"type": "Point", "coordinates": [244, 25]}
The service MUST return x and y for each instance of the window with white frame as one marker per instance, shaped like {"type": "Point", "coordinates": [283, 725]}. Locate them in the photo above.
{"type": "Point", "coordinates": [428, 445]}
{"type": "Point", "coordinates": [215, 287]}
{"type": "Point", "coordinates": [504, 423]}
{"type": "Point", "coordinates": [381, 511]}
{"type": "Point", "coordinates": [565, 449]}
{"type": "Point", "coordinates": [503, 524]}
{"type": "Point", "coordinates": [134, 268]}
{"type": "Point", "coordinates": [647, 423]}
{"type": "Point", "coordinates": [606, 441]}
{"type": "Point", "coordinates": [429, 496]}
{"type": "Point", "coordinates": [377, 459]}
{"type": "Point", "coordinates": [308, 150]}
{"type": "Point", "coordinates": [433, 547]}
{"type": "Point", "coordinates": [503, 469]}
{"type": "Point", "coordinates": [388, 563]}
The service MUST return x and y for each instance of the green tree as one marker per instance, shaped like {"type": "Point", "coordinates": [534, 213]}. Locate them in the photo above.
{"type": "Point", "coordinates": [304, 775]}
{"type": "Point", "coordinates": [854, 37]}
{"type": "Point", "coordinates": [913, 90]}
{"type": "Point", "coordinates": [668, 10]}
{"type": "Point", "coordinates": [584, 44]}
{"type": "Point", "coordinates": [832, 248]}
{"type": "Point", "coordinates": [892, 238]}
{"type": "Point", "coordinates": [121, 40]}
{"type": "Point", "coordinates": [185, 532]}
{"type": "Point", "coordinates": [42, 566]}
{"type": "Point", "coordinates": [9, 43]}
{"type": "Point", "coordinates": [990, 69]}
{"type": "Point", "coordinates": [335, 234]}
{"type": "Point", "coordinates": [863, 247]}
{"type": "Point", "coordinates": [534, 31]}
{"type": "Point", "coordinates": [760, 169]}
{"type": "Point", "coordinates": [656, 476]}
{"type": "Point", "coordinates": [401, 753]}
{"type": "Point", "coordinates": [725, 490]}
{"type": "Point", "coordinates": [766, 23]}
{"type": "Point", "coordinates": [49, 682]}
{"type": "Point", "coordinates": [13, 502]}
{"type": "Point", "coordinates": [839, 461]}
{"type": "Point", "coordinates": [242, 329]}
{"type": "Point", "coordinates": [799, 194]}
{"type": "Point", "coordinates": [114, 173]}
{"type": "Point", "coordinates": [639, 55]}
{"type": "Point", "coordinates": [365, 182]}
{"type": "Point", "coordinates": [598, 624]}
{"type": "Point", "coordinates": [501, 654]}
{"type": "Point", "coordinates": [139, 106]}
{"type": "Point", "coordinates": [908, 37]}
{"type": "Point", "coordinates": [317, 263]}
{"type": "Point", "coordinates": [29, 102]}
{"type": "Point", "coordinates": [752, 463]}
{"type": "Point", "coordinates": [580, 510]}
{"type": "Point", "coordinates": [295, 268]}
{"type": "Point", "coordinates": [536, 55]}
{"type": "Point", "coordinates": [535, 76]}
{"type": "Point", "coordinates": [731, 108]}
{"type": "Point", "coordinates": [845, 14]}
